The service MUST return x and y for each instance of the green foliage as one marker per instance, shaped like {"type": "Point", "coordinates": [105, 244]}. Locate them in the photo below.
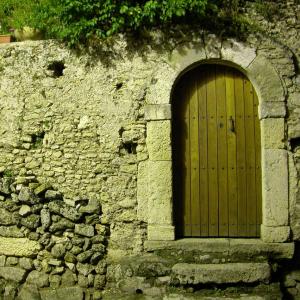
{"type": "Point", "coordinates": [16, 14]}
{"type": "Point", "coordinates": [77, 21]}
{"type": "Point", "coordinates": [8, 173]}
{"type": "Point", "coordinates": [267, 9]}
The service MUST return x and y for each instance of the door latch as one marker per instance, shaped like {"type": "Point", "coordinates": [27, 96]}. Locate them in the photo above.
{"type": "Point", "coordinates": [231, 124]}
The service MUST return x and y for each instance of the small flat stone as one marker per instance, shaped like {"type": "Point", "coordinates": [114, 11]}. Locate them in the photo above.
{"type": "Point", "coordinates": [38, 279]}
{"type": "Point", "coordinates": [68, 278]}
{"type": "Point", "coordinates": [32, 221]}
{"type": "Point", "coordinates": [70, 213]}
{"type": "Point", "coordinates": [29, 292]}
{"type": "Point", "coordinates": [45, 218]}
{"type": "Point", "coordinates": [84, 269]}
{"type": "Point", "coordinates": [2, 260]}
{"type": "Point", "coordinates": [54, 262]}
{"type": "Point", "coordinates": [42, 188]}
{"type": "Point", "coordinates": [26, 263]}
{"type": "Point", "coordinates": [53, 195]}
{"type": "Point", "coordinates": [84, 256]}
{"type": "Point", "coordinates": [26, 195]}
{"type": "Point", "coordinates": [58, 251]}
{"type": "Point", "coordinates": [25, 210]}
{"type": "Point", "coordinates": [93, 207]}
{"type": "Point", "coordinates": [85, 230]}
{"type": "Point", "coordinates": [12, 273]}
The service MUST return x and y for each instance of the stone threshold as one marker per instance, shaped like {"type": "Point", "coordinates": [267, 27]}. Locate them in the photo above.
{"type": "Point", "coordinates": [233, 246]}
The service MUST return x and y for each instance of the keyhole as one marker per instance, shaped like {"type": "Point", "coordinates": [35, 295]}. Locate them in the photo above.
{"type": "Point", "coordinates": [221, 125]}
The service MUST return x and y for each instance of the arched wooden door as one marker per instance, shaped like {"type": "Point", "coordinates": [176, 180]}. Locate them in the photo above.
{"type": "Point", "coordinates": [216, 154]}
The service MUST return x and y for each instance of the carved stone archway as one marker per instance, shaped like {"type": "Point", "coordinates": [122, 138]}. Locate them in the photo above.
{"type": "Point", "coordinates": [156, 173]}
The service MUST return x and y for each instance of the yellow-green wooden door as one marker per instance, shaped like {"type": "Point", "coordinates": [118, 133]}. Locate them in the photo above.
{"type": "Point", "coordinates": [216, 154]}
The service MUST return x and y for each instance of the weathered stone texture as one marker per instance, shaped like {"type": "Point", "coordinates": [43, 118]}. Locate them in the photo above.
{"type": "Point", "coordinates": [218, 273]}
{"type": "Point", "coordinates": [275, 187]}
{"type": "Point", "coordinates": [142, 191]}
{"type": "Point", "coordinates": [75, 293]}
{"type": "Point", "coordinates": [91, 150]}
{"type": "Point", "coordinates": [273, 133]}
{"type": "Point", "coordinates": [18, 247]}
{"type": "Point", "coordinates": [12, 273]}
{"type": "Point", "coordinates": [159, 203]}
{"type": "Point", "coordinates": [271, 234]}
{"type": "Point", "coordinates": [159, 140]}
{"type": "Point", "coordinates": [157, 112]}
{"type": "Point", "coordinates": [266, 78]}
{"type": "Point", "coordinates": [238, 53]}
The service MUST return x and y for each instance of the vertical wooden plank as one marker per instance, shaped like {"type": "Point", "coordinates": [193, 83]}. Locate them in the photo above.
{"type": "Point", "coordinates": [222, 151]}
{"type": "Point", "coordinates": [250, 159]}
{"type": "Point", "coordinates": [180, 125]}
{"type": "Point", "coordinates": [240, 154]}
{"type": "Point", "coordinates": [187, 165]}
{"type": "Point", "coordinates": [231, 145]}
{"type": "Point", "coordinates": [194, 156]}
{"type": "Point", "coordinates": [257, 166]}
{"type": "Point", "coordinates": [177, 146]}
{"type": "Point", "coordinates": [202, 99]}
{"type": "Point", "coordinates": [212, 149]}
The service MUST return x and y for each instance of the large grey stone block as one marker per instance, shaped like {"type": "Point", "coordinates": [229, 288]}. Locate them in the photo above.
{"type": "Point", "coordinates": [160, 192]}
{"type": "Point", "coordinates": [157, 112]}
{"type": "Point", "coordinates": [221, 273]}
{"type": "Point", "coordinates": [266, 80]}
{"type": "Point", "coordinates": [158, 232]}
{"type": "Point", "coordinates": [187, 54]}
{"type": "Point", "coordinates": [237, 52]}
{"type": "Point", "coordinates": [272, 110]}
{"type": "Point", "coordinates": [159, 140]}
{"type": "Point", "coordinates": [18, 247]}
{"type": "Point", "coordinates": [273, 132]}
{"type": "Point", "coordinates": [278, 234]}
{"type": "Point", "coordinates": [275, 187]}
{"type": "Point", "coordinates": [12, 273]}
{"type": "Point", "coordinates": [160, 91]}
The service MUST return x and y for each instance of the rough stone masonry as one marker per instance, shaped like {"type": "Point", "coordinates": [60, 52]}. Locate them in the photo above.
{"type": "Point", "coordinates": [76, 152]}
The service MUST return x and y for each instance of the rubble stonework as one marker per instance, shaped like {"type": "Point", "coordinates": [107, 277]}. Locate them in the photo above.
{"type": "Point", "coordinates": [53, 244]}
{"type": "Point", "coordinates": [86, 166]}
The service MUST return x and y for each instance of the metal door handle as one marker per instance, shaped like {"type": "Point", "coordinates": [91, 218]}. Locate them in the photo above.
{"type": "Point", "coordinates": [231, 124]}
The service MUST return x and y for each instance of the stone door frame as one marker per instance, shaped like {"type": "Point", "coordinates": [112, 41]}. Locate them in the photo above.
{"type": "Point", "coordinates": [156, 172]}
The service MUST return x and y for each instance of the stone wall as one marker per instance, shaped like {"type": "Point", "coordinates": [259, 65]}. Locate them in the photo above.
{"type": "Point", "coordinates": [76, 147]}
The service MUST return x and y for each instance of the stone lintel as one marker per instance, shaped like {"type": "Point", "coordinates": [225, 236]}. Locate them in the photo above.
{"type": "Point", "coordinates": [278, 234]}
{"type": "Point", "coordinates": [158, 232]}
{"type": "Point", "coordinates": [18, 247]}
{"type": "Point", "coordinates": [157, 112]}
{"type": "Point", "coordinates": [275, 187]}
{"type": "Point", "coordinates": [272, 133]}
{"type": "Point", "coordinates": [159, 140]}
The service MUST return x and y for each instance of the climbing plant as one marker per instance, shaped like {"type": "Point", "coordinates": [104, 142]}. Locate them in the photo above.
{"type": "Point", "coordinates": [77, 21]}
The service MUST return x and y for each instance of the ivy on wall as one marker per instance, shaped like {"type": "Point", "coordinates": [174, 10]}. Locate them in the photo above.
{"type": "Point", "coordinates": [77, 21]}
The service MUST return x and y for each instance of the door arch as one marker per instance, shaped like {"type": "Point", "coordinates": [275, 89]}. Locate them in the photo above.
{"type": "Point", "coordinates": [216, 154]}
